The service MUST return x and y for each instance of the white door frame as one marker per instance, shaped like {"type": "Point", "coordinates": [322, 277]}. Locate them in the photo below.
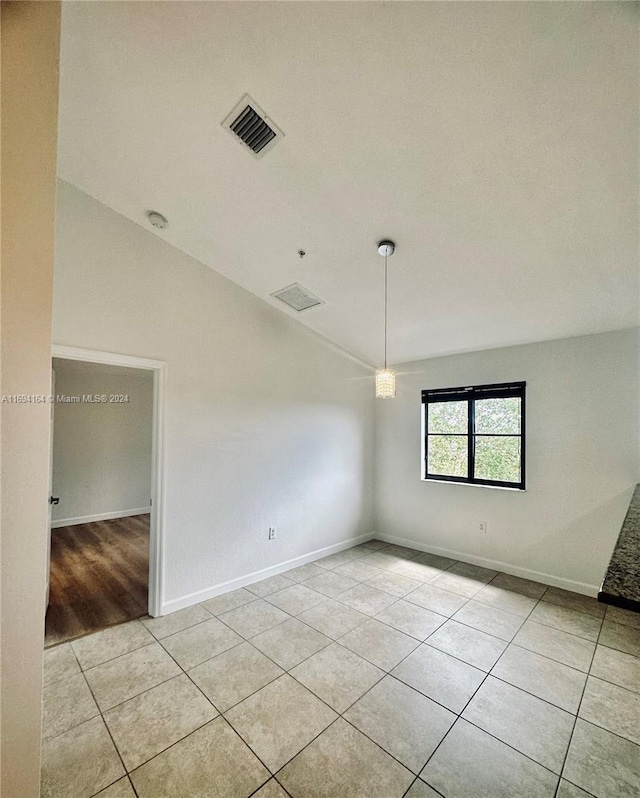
{"type": "Point", "coordinates": [156, 538]}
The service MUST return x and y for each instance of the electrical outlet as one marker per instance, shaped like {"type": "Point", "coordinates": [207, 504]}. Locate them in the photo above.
{"type": "Point", "coordinates": [483, 527]}
{"type": "Point", "coordinates": [272, 533]}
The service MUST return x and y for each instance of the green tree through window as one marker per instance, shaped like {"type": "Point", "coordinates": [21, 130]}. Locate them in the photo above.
{"type": "Point", "coordinates": [475, 434]}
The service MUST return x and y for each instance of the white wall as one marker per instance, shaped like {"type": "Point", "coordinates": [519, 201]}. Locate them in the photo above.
{"type": "Point", "coordinates": [582, 461]}
{"type": "Point", "coordinates": [30, 44]}
{"type": "Point", "coordinates": [266, 422]}
{"type": "Point", "coordinates": [101, 451]}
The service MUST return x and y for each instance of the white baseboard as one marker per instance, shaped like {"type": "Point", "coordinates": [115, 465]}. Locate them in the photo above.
{"type": "Point", "coordinates": [496, 565]}
{"type": "Point", "coordinates": [88, 519]}
{"type": "Point", "coordinates": [256, 576]}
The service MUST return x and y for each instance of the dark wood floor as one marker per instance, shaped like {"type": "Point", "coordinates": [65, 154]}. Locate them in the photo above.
{"type": "Point", "coordinates": [99, 576]}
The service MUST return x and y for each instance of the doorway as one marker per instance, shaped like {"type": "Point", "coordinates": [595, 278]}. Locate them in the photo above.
{"type": "Point", "coordinates": [106, 498]}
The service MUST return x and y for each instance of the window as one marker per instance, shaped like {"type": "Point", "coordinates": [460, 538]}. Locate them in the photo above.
{"type": "Point", "coordinates": [475, 435]}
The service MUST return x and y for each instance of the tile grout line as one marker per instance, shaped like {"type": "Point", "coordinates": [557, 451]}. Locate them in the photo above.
{"type": "Point", "coordinates": [280, 769]}
{"type": "Point", "coordinates": [113, 742]}
{"type": "Point", "coordinates": [262, 786]}
{"type": "Point", "coordinates": [369, 617]}
{"type": "Point", "coordinates": [368, 552]}
{"type": "Point", "coordinates": [257, 597]}
{"type": "Point", "coordinates": [575, 716]}
{"type": "Point", "coordinates": [564, 631]}
{"type": "Point", "coordinates": [285, 672]}
{"type": "Point", "coordinates": [100, 715]}
{"type": "Point", "coordinates": [388, 673]}
{"type": "Point", "coordinates": [201, 726]}
{"type": "Point", "coordinates": [110, 659]}
{"type": "Point", "coordinates": [467, 704]}
{"type": "Point", "coordinates": [420, 642]}
{"type": "Point", "coordinates": [244, 742]}
{"type": "Point", "coordinates": [336, 641]}
{"type": "Point", "coordinates": [557, 662]}
{"type": "Point", "coordinates": [416, 781]}
{"type": "Point", "coordinates": [339, 715]}
{"type": "Point", "coordinates": [165, 681]}
{"type": "Point", "coordinates": [281, 786]}
{"type": "Point", "coordinates": [288, 672]}
{"type": "Point", "coordinates": [573, 729]}
{"type": "Point", "coordinates": [133, 787]}
{"type": "Point", "coordinates": [142, 692]}
{"type": "Point", "coordinates": [220, 715]}
{"type": "Point", "coordinates": [129, 772]}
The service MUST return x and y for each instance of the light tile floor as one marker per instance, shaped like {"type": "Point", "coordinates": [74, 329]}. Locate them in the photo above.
{"type": "Point", "coordinates": [378, 672]}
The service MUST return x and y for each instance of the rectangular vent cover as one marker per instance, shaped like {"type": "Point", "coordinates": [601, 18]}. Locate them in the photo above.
{"type": "Point", "coordinates": [253, 127]}
{"type": "Point", "coordinates": [297, 297]}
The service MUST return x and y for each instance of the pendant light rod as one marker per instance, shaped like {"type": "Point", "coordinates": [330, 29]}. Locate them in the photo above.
{"type": "Point", "coordinates": [386, 248]}
{"type": "Point", "coordinates": [386, 260]}
{"type": "Point", "coordinates": [385, 379]}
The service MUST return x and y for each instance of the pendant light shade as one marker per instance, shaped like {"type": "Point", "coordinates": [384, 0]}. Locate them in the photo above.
{"type": "Point", "coordinates": [385, 384]}
{"type": "Point", "coordinates": [385, 378]}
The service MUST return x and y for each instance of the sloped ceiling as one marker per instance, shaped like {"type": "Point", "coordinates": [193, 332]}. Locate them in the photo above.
{"type": "Point", "coordinates": [497, 143]}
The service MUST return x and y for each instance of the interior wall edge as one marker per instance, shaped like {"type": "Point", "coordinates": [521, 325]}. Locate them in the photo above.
{"type": "Point", "coordinates": [30, 37]}
{"type": "Point", "coordinates": [256, 576]}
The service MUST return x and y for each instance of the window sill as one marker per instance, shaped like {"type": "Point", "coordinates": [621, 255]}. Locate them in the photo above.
{"type": "Point", "coordinates": [473, 485]}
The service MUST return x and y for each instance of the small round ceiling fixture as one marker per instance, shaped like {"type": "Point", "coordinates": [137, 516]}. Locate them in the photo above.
{"type": "Point", "coordinates": [157, 220]}
{"type": "Point", "coordinates": [386, 247]}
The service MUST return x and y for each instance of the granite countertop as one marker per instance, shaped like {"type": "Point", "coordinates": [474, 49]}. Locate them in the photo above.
{"type": "Point", "coordinates": [621, 584]}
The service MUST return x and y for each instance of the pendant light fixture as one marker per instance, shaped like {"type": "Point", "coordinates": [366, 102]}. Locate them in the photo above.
{"type": "Point", "coordinates": [385, 378]}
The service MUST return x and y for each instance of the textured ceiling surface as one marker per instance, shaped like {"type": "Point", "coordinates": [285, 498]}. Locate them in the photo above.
{"type": "Point", "coordinates": [497, 143]}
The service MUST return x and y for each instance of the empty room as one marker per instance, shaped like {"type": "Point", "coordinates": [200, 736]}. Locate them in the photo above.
{"type": "Point", "coordinates": [320, 399]}
{"type": "Point", "coordinates": [101, 478]}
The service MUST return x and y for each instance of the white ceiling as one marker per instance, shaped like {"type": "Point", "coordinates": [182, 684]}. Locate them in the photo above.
{"type": "Point", "coordinates": [496, 143]}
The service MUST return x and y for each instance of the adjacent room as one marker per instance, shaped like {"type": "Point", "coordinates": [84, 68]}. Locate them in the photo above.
{"type": "Point", "coordinates": [355, 513]}
{"type": "Point", "coordinates": [100, 502]}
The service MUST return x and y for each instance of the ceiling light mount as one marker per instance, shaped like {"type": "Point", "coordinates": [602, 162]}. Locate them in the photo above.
{"type": "Point", "coordinates": [386, 248]}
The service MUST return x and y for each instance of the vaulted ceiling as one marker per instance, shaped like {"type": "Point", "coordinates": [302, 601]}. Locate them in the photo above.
{"type": "Point", "coordinates": [497, 143]}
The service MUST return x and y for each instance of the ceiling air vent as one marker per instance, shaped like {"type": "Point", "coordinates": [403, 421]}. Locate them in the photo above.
{"type": "Point", "coordinates": [297, 297]}
{"type": "Point", "coordinates": [252, 126]}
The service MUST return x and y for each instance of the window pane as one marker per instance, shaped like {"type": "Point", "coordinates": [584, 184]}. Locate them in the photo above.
{"type": "Point", "coordinates": [498, 416]}
{"type": "Point", "coordinates": [497, 458]}
{"type": "Point", "coordinates": [448, 417]}
{"type": "Point", "coordinates": [448, 455]}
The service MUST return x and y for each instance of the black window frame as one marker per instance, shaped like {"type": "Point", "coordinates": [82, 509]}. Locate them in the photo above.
{"type": "Point", "coordinates": [471, 394]}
